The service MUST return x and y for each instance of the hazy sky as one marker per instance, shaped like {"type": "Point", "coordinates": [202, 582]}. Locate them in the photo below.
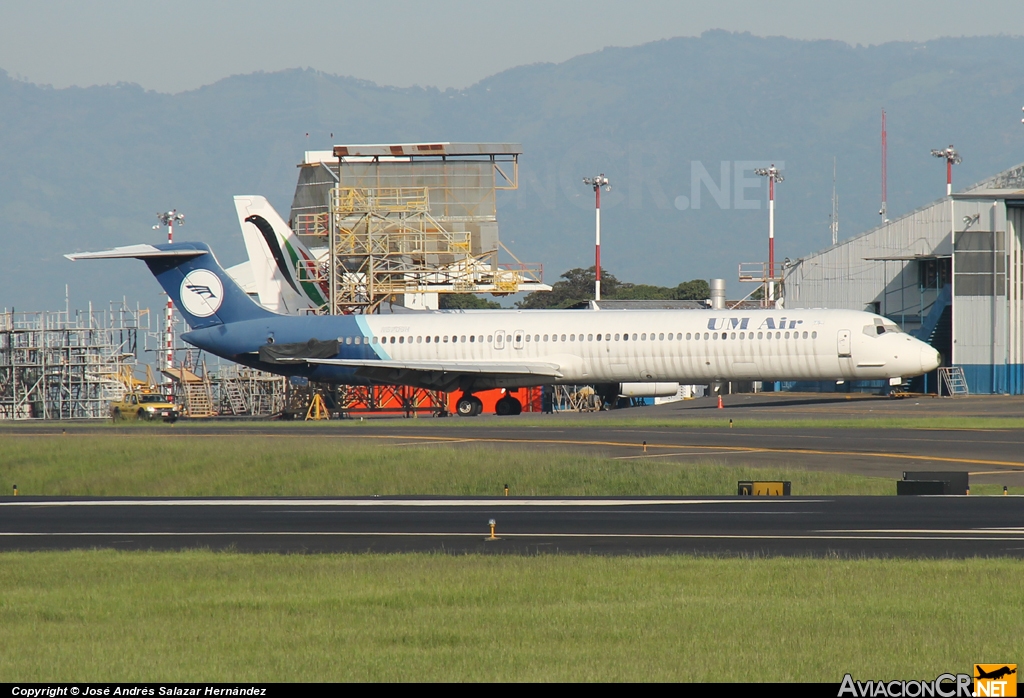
{"type": "Point", "coordinates": [183, 44]}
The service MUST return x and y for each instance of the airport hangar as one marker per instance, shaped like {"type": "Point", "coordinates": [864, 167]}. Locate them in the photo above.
{"type": "Point", "coordinates": [951, 272]}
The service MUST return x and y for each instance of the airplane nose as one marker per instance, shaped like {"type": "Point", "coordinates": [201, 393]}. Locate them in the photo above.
{"type": "Point", "coordinates": [930, 358]}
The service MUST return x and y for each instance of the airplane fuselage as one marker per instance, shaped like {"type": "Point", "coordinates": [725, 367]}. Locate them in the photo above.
{"type": "Point", "coordinates": [605, 346]}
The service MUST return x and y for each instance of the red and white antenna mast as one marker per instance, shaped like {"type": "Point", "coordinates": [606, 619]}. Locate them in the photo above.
{"type": "Point", "coordinates": [885, 181]}
{"type": "Point", "coordinates": [834, 223]}
{"type": "Point", "coordinates": [773, 175]}
{"type": "Point", "coordinates": [168, 220]}
{"type": "Point", "coordinates": [597, 182]}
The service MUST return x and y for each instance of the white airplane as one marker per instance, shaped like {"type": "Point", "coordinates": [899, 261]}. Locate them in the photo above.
{"type": "Point", "coordinates": [478, 350]}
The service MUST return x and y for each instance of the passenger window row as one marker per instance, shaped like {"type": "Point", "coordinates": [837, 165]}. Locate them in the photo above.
{"type": "Point", "coordinates": [624, 337]}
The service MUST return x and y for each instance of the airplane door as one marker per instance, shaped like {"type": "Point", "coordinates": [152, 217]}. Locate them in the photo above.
{"type": "Point", "coordinates": [844, 343]}
{"type": "Point", "coordinates": [499, 339]}
{"type": "Point", "coordinates": [517, 339]}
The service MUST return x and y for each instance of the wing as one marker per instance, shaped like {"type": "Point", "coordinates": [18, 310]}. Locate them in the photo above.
{"type": "Point", "coordinates": [446, 375]}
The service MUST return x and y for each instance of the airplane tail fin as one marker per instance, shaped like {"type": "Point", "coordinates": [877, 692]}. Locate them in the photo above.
{"type": "Point", "coordinates": [284, 269]}
{"type": "Point", "coordinates": [199, 287]}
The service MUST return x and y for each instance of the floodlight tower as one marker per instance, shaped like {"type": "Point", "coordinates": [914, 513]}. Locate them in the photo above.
{"type": "Point", "coordinates": [169, 220]}
{"type": "Point", "coordinates": [952, 158]}
{"type": "Point", "coordinates": [597, 182]}
{"type": "Point", "coordinates": [773, 175]}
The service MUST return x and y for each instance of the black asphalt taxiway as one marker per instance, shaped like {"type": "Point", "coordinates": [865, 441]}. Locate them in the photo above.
{"type": "Point", "coordinates": [960, 526]}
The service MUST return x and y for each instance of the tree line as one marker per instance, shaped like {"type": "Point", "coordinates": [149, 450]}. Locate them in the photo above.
{"type": "Point", "coordinates": [577, 286]}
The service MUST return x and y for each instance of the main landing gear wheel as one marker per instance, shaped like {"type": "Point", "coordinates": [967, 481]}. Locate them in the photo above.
{"type": "Point", "coordinates": [469, 406]}
{"type": "Point", "coordinates": [508, 405]}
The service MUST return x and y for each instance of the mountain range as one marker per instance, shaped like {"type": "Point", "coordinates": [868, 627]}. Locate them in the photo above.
{"type": "Point", "coordinates": [88, 168]}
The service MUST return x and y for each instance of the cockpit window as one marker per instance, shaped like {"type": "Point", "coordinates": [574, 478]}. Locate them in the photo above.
{"type": "Point", "coordinates": [880, 328]}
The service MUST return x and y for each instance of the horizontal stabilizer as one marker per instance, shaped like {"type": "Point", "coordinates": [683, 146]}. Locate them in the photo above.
{"type": "Point", "coordinates": [136, 252]}
{"type": "Point", "coordinates": [193, 279]}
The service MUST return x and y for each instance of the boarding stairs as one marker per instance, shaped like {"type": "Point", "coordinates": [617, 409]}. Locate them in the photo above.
{"type": "Point", "coordinates": [196, 389]}
{"type": "Point", "coordinates": [235, 396]}
{"type": "Point", "coordinates": [935, 327]}
{"type": "Point", "coordinates": [197, 399]}
{"type": "Point", "coordinates": [953, 379]}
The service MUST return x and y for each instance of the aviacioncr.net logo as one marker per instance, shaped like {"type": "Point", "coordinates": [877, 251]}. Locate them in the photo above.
{"type": "Point", "coordinates": [201, 293]}
{"type": "Point", "coordinates": [944, 686]}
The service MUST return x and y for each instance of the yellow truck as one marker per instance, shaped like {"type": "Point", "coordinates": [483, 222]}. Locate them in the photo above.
{"type": "Point", "coordinates": [144, 406]}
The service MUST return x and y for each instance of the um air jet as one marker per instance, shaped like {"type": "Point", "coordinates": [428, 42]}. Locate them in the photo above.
{"type": "Point", "coordinates": [479, 350]}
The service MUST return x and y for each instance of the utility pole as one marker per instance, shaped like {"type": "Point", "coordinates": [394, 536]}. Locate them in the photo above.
{"type": "Point", "coordinates": [773, 175]}
{"type": "Point", "coordinates": [168, 220]}
{"type": "Point", "coordinates": [597, 182]}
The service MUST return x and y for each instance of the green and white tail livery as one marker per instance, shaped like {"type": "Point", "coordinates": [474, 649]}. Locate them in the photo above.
{"type": "Point", "coordinates": [286, 274]}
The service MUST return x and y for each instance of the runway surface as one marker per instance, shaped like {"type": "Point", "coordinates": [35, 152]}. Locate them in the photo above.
{"type": "Point", "coordinates": [816, 526]}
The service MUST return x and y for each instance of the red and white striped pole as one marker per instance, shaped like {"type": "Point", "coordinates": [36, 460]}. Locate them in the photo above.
{"type": "Point", "coordinates": [597, 243]}
{"type": "Point", "coordinates": [771, 238]}
{"type": "Point", "coordinates": [169, 219]}
{"type": "Point", "coordinates": [773, 175]}
{"type": "Point", "coordinates": [169, 333]}
{"type": "Point", "coordinates": [597, 182]}
{"type": "Point", "coordinates": [952, 158]}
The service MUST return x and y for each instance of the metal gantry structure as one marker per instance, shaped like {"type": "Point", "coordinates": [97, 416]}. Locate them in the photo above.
{"type": "Point", "coordinates": [408, 219]}
{"type": "Point", "coordinates": [64, 365]}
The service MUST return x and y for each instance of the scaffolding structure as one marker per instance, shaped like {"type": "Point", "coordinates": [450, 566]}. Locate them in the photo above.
{"type": "Point", "coordinates": [246, 391]}
{"type": "Point", "coordinates": [67, 365]}
{"type": "Point", "coordinates": [766, 276]}
{"type": "Point", "coordinates": [408, 219]}
{"type": "Point", "coordinates": [576, 398]}
{"type": "Point", "coordinates": [349, 400]}
{"type": "Point", "coordinates": [391, 398]}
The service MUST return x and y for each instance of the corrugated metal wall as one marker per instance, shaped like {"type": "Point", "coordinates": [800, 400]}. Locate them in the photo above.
{"type": "Point", "coordinates": [872, 271]}
{"type": "Point", "coordinates": [1015, 301]}
{"type": "Point", "coordinates": [877, 271]}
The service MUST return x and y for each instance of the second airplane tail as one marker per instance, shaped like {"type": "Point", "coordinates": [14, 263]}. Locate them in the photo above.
{"type": "Point", "coordinates": [285, 271]}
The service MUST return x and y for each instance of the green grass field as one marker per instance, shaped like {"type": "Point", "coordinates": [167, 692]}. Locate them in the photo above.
{"type": "Point", "coordinates": [201, 616]}
{"type": "Point", "coordinates": [159, 463]}
{"type": "Point", "coordinates": [147, 464]}
{"type": "Point", "coordinates": [103, 615]}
